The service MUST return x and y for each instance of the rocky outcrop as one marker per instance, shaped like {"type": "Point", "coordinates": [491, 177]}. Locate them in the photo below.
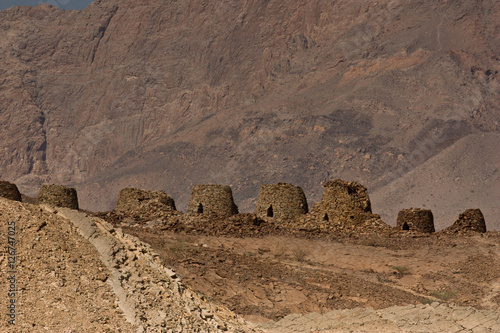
{"type": "Point", "coordinates": [433, 317]}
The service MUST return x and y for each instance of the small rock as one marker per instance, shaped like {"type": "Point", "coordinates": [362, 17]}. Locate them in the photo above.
{"type": "Point", "coordinates": [205, 314]}
{"type": "Point", "coordinates": [102, 277]}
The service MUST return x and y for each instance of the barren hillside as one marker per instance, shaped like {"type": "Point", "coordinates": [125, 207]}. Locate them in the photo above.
{"type": "Point", "coordinates": [75, 273]}
{"type": "Point", "coordinates": [167, 94]}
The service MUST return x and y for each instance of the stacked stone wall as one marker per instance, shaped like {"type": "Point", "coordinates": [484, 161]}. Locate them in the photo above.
{"type": "Point", "coordinates": [416, 219]}
{"type": "Point", "coordinates": [470, 220]}
{"type": "Point", "coordinates": [344, 207]}
{"type": "Point", "coordinates": [212, 199]}
{"type": "Point", "coordinates": [281, 201]}
{"type": "Point", "coordinates": [131, 199]}
{"type": "Point", "coordinates": [57, 195]}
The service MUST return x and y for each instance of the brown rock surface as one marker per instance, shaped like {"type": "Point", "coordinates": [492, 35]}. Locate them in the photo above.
{"type": "Point", "coordinates": [385, 282]}
{"type": "Point", "coordinates": [75, 272]}
{"type": "Point", "coordinates": [166, 94]}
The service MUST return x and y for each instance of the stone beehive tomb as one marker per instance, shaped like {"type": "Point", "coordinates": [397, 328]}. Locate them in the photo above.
{"type": "Point", "coordinates": [57, 195]}
{"type": "Point", "coordinates": [9, 191]}
{"type": "Point", "coordinates": [132, 199]}
{"type": "Point", "coordinates": [341, 197]}
{"type": "Point", "coordinates": [281, 201]}
{"type": "Point", "coordinates": [470, 220]}
{"type": "Point", "coordinates": [344, 206]}
{"type": "Point", "coordinates": [416, 219]}
{"type": "Point", "coordinates": [212, 199]}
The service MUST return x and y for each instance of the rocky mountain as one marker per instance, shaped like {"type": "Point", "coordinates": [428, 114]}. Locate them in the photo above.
{"type": "Point", "coordinates": [168, 94]}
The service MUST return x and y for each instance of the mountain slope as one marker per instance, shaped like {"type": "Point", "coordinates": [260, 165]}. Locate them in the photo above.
{"type": "Point", "coordinates": [163, 95]}
{"type": "Point", "coordinates": [473, 181]}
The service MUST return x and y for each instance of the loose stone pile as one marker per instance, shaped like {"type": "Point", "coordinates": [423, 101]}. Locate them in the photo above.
{"type": "Point", "coordinates": [132, 199]}
{"type": "Point", "coordinates": [344, 207]}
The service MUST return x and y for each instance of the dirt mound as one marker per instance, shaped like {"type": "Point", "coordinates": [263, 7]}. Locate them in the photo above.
{"type": "Point", "coordinates": [57, 195]}
{"type": "Point", "coordinates": [60, 279]}
{"type": "Point", "coordinates": [9, 191]}
{"type": "Point", "coordinates": [472, 220]}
